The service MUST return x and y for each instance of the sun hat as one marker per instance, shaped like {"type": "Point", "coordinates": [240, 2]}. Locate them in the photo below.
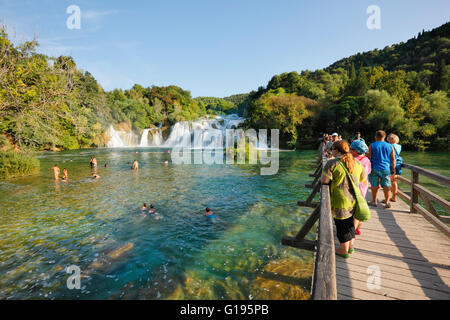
{"type": "Point", "coordinates": [359, 146]}
{"type": "Point", "coordinates": [334, 134]}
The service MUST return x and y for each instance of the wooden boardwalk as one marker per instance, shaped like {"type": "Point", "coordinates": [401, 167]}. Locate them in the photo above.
{"type": "Point", "coordinates": [411, 255]}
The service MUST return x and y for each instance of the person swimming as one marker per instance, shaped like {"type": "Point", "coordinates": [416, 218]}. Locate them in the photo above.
{"type": "Point", "coordinates": [144, 207]}
{"type": "Point", "coordinates": [56, 172]}
{"type": "Point", "coordinates": [65, 175]}
{"type": "Point", "coordinates": [152, 209]}
{"type": "Point", "coordinates": [95, 176]}
{"type": "Point", "coordinates": [209, 213]}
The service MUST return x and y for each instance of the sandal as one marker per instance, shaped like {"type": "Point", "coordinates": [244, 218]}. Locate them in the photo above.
{"type": "Point", "coordinates": [371, 203]}
{"type": "Point", "coordinates": [351, 250]}
{"type": "Point", "coordinates": [343, 255]}
{"type": "Point", "coordinates": [387, 206]}
{"type": "Point", "coordinates": [393, 200]}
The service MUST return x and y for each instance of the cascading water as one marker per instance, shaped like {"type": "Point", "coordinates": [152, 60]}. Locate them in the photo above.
{"type": "Point", "coordinates": [144, 138]}
{"type": "Point", "coordinates": [121, 139]}
{"type": "Point", "coordinates": [199, 134]}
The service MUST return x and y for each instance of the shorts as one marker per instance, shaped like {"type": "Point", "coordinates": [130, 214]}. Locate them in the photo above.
{"type": "Point", "coordinates": [345, 229]}
{"type": "Point", "coordinates": [375, 176]}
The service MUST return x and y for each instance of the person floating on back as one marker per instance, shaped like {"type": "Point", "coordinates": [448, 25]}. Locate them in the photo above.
{"type": "Point", "coordinates": [135, 165]}
{"type": "Point", "coordinates": [56, 172]}
{"type": "Point", "coordinates": [382, 158]}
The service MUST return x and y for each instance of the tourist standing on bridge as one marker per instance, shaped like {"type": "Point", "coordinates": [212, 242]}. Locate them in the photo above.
{"type": "Point", "coordinates": [329, 147]}
{"type": "Point", "coordinates": [393, 139]}
{"type": "Point", "coordinates": [382, 158]}
{"type": "Point", "coordinates": [342, 195]}
{"type": "Point", "coordinates": [358, 148]}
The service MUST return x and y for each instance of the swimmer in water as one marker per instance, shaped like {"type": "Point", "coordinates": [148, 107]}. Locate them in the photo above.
{"type": "Point", "coordinates": [144, 207]}
{"type": "Point", "coordinates": [56, 172]}
{"type": "Point", "coordinates": [135, 165]}
{"type": "Point", "coordinates": [95, 176]}
{"type": "Point", "coordinates": [65, 175]}
{"type": "Point", "coordinates": [152, 209]}
{"type": "Point", "coordinates": [208, 212]}
{"type": "Point", "coordinates": [93, 162]}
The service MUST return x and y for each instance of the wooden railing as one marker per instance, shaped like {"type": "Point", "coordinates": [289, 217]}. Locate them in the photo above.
{"type": "Point", "coordinates": [418, 191]}
{"type": "Point", "coordinates": [324, 277]}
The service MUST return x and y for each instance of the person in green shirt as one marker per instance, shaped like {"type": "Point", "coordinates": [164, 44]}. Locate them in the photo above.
{"type": "Point", "coordinates": [342, 193]}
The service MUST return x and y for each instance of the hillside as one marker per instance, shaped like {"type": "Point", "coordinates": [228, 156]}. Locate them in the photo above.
{"type": "Point", "coordinates": [424, 52]}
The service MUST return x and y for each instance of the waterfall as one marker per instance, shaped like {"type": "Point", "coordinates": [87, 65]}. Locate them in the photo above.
{"type": "Point", "coordinates": [144, 138]}
{"type": "Point", "coordinates": [199, 134]}
{"type": "Point", "coordinates": [121, 139]}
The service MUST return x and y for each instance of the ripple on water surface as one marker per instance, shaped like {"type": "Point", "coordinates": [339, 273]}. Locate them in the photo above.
{"type": "Point", "coordinates": [46, 226]}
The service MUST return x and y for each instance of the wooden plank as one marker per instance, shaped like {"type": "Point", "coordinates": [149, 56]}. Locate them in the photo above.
{"type": "Point", "coordinates": [309, 223]}
{"type": "Point", "coordinates": [432, 196]}
{"type": "Point", "coordinates": [403, 195]}
{"type": "Point", "coordinates": [402, 179]}
{"type": "Point", "coordinates": [435, 176]}
{"type": "Point", "coordinates": [433, 283]}
{"type": "Point", "coordinates": [309, 205]}
{"type": "Point", "coordinates": [386, 283]}
{"type": "Point", "coordinates": [300, 244]}
{"type": "Point", "coordinates": [435, 221]}
{"type": "Point", "coordinates": [324, 278]}
{"type": "Point", "coordinates": [404, 252]}
{"type": "Point", "coordinates": [361, 294]}
{"type": "Point", "coordinates": [439, 241]}
{"type": "Point", "coordinates": [386, 291]}
{"type": "Point", "coordinates": [406, 243]}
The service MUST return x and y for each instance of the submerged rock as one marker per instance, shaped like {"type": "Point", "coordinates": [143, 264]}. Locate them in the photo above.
{"type": "Point", "coordinates": [285, 279]}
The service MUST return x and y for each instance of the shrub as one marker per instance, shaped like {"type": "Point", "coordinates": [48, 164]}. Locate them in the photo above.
{"type": "Point", "coordinates": [14, 164]}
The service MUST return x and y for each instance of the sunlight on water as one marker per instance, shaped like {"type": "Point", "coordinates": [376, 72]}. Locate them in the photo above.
{"type": "Point", "coordinates": [46, 226]}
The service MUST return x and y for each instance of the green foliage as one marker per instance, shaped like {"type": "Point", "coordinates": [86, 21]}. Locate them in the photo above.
{"type": "Point", "coordinates": [217, 106]}
{"type": "Point", "coordinates": [14, 164]}
{"type": "Point", "coordinates": [277, 109]}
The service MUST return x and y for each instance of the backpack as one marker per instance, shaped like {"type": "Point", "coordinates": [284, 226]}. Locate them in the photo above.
{"type": "Point", "coordinates": [398, 163]}
{"type": "Point", "coordinates": [362, 211]}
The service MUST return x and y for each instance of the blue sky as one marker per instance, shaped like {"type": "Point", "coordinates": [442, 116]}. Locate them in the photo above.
{"type": "Point", "coordinates": [213, 47]}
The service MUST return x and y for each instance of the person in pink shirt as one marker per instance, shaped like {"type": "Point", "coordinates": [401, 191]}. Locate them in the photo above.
{"type": "Point", "coordinates": [358, 149]}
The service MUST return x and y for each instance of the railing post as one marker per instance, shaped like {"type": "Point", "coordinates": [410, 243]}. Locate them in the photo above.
{"type": "Point", "coordinates": [414, 192]}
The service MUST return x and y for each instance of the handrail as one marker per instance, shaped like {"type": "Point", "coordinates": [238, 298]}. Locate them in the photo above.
{"type": "Point", "coordinates": [417, 190]}
{"type": "Point", "coordinates": [324, 278]}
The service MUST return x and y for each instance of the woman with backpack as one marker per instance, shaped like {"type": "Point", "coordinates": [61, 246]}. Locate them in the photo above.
{"type": "Point", "coordinates": [394, 140]}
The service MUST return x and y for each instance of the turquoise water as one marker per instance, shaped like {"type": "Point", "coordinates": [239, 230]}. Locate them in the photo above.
{"type": "Point", "coordinates": [46, 226]}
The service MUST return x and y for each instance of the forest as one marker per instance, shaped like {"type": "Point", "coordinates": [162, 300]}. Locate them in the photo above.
{"type": "Point", "coordinates": [47, 103]}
